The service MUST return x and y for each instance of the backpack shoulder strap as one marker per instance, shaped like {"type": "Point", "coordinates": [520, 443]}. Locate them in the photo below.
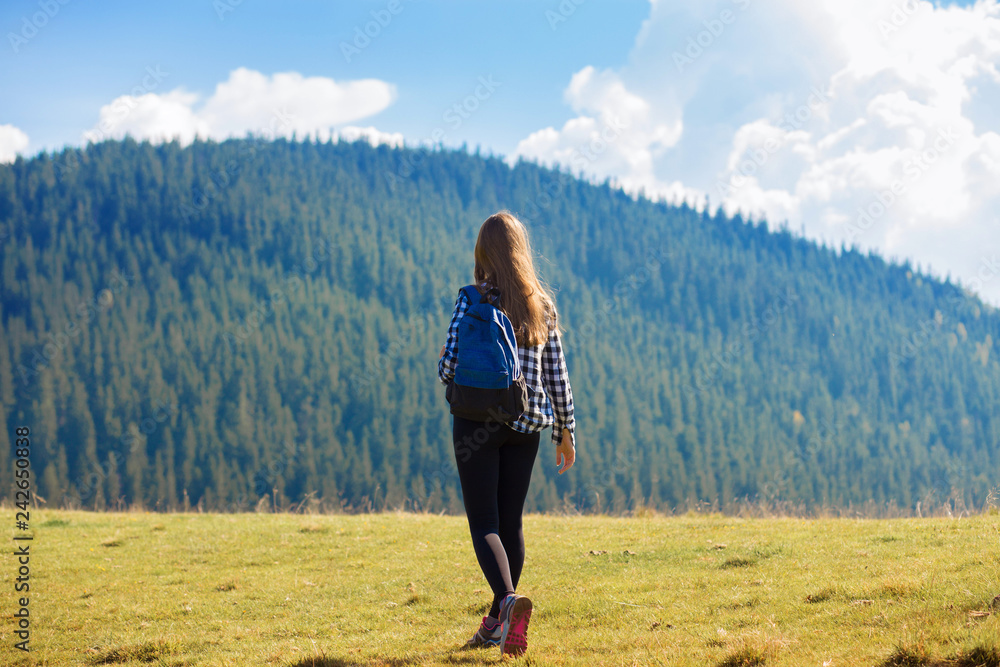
{"type": "Point", "coordinates": [472, 294]}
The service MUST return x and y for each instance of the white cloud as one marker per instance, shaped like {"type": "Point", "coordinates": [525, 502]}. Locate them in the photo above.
{"type": "Point", "coordinates": [12, 142]}
{"type": "Point", "coordinates": [369, 134]}
{"type": "Point", "coordinates": [279, 105]}
{"type": "Point", "coordinates": [616, 133]}
{"type": "Point", "coordinates": [865, 121]}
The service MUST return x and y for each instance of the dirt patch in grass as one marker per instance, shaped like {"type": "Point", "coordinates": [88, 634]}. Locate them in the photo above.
{"type": "Point", "coordinates": [478, 609]}
{"type": "Point", "coordinates": [748, 603]}
{"type": "Point", "coordinates": [894, 589]}
{"type": "Point", "coordinates": [744, 657]}
{"type": "Point", "coordinates": [979, 656]}
{"type": "Point", "coordinates": [917, 656]}
{"type": "Point", "coordinates": [324, 661]}
{"type": "Point", "coordinates": [822, 595]}
{"type": "Point", "coordinates": [144, 652]}
{"type": "Point", "coordinates": [755, 555]}
{"type": "Point", "coordinates": [312, 527]}
{"type": "Point", "coordinates": [907, 656]}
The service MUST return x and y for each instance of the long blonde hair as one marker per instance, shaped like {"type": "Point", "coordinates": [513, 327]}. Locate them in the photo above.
{"type": "Point", "coordinates": [504, 260]}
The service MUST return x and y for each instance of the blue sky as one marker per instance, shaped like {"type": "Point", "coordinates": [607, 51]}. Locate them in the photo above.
{"type": "Point", "coordinates": [433, 52]}
{"type": "Point", "coordinates": [868, 122]}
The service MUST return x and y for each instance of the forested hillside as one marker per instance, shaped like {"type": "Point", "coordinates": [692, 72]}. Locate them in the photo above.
{"type": "Point", "coordinates": [217, 323]}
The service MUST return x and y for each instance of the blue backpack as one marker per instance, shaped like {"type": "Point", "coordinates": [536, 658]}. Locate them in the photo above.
{"type": "Point", "coordinates": [488, 383]}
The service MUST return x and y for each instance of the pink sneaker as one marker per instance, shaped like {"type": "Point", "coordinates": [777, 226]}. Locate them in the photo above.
{"type": "Point", "coordinates": [487, 635]}
{"type": "Point", "coordinates": [515, 612]}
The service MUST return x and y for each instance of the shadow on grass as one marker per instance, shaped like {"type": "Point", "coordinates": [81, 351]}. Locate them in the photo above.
{"type": "Point", "coordinates": [144, 652]}
{"type": "Point", "coordinates": [478, 609]}
{"type": "Point", "coordinates": [917, 656]}
{"type": "Point", "coordinates": [822, 595]}
{"type": "Point", "coordinates": [744, 657]}
{"type": "Point", "coordinates": [452, 657]}
{"type": "Point", "coordinates": [755, 555]}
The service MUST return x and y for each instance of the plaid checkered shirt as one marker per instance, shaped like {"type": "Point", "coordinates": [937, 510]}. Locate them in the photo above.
{"type": "Point", "coordinates": [544, 369]}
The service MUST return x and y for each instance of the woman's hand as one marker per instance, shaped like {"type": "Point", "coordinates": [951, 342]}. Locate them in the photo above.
{"type": "Point", "coordinates": [442, 352]}
{"type": "Point", "coordinates": [565, 452]}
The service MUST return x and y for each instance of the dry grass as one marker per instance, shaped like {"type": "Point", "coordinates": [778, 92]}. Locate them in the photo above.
{"type": "Point", "coordinates": [293, 590]}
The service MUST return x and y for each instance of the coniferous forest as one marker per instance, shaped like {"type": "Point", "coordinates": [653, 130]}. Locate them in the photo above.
{"type": "Point", "coordinates": [213, 325]}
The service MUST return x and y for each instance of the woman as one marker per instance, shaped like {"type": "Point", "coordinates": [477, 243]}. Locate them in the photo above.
{"type": "Point", "coordinates": [495, 460]}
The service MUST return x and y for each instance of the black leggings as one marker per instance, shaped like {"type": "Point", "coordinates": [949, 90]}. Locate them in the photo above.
{"type": "Point", "coordinates": [494, 466]}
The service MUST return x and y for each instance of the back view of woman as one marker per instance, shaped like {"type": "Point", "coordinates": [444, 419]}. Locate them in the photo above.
{"type": "Point", "coordinates": [495, 460]}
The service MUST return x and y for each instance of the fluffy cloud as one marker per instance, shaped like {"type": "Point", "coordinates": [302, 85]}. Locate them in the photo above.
{"type": "Point", "coordinates": [250, 102]}
{"type": "Point", "coordinates": [890, 160]}
{"type": "Point", "coordinates": [616, 133]}
{"type": "Point", "coordinates": [868, 122]}
{"type": "Point", "coordinates": [12, 141]}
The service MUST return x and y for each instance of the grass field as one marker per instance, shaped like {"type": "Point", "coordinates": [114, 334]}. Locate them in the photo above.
{"type": "Point", "coordinates": [404, 589]}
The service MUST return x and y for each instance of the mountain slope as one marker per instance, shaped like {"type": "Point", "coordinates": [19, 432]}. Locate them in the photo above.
{"type": "Point", "coordinates": [222, 322]}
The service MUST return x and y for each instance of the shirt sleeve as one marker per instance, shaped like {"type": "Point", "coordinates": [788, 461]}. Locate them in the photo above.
{"type": "Point", "coordinates": [555, 380]}
{"type": "Point", "coordinates": [446, 365]}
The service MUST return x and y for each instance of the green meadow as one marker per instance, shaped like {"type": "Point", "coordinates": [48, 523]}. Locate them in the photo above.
{"type": "Point", "coordinates": [295, 590]}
